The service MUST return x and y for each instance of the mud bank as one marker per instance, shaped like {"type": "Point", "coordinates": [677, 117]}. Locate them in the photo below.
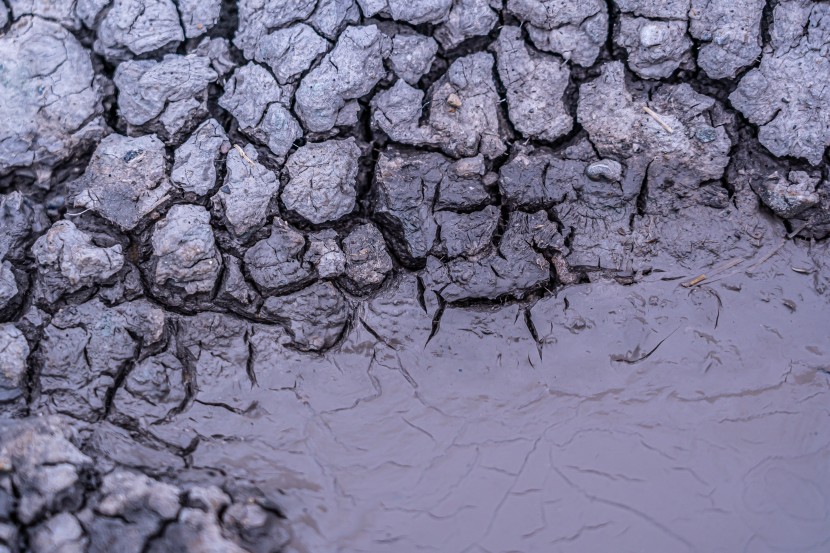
{"type": "Point", "coordinates": [433, 275]}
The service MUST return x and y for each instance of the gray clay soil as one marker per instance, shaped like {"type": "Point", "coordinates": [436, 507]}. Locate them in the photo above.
{"type": "Point", "coordinates": [414, 275]}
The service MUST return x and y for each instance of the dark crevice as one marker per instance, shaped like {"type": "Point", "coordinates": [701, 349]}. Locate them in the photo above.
{"type": "Point", "coordinates": [436, 318]}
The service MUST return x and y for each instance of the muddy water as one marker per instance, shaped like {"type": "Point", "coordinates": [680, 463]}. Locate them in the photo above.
{"type": "Point", "coordinates": [650, 417]}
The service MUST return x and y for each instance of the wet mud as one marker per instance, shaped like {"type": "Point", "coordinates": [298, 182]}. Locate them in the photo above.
{"type": "Point", "coordinates": [648, 417]}
{"type": "Point", "coordinates": [427, 275]}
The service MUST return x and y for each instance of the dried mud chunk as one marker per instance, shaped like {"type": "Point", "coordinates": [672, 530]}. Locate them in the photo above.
{"type": "Point", "coordinates": [199, 15]}
{"type": "Point", "coordinates": [258, 529]}
{"type": "Point", "coordinates": [210, 499]}
{"type": "Point", "coordinates": [535, 85]}
{"type": "Point", "coordinates": [655, 48]}
{"type": "Point", "coordinates": [367, 261]}
{"type": "Point", "coordinates": [513, 270]}
{"type": "Point", "coordinates": [194, 168]}
{"type": "Point", "coordinates": [621, 129]}
{"type": "Point", "coordinates": [332, 16]}
{"type": "Point", "coordinates": [8, 285]}
{"type": "Point", "coordinates": [411, 11]}
{"type": "Point", "coordinates": [45, 467]}
{"type": "Point", "coordinates": [85, 347]}
{"type": "Point", "coordinates": [126, 286]}
{"type": "Point", "coordinates": [409, 186]}
{"type": "Point", "coordinates": [180, 118]}
{"type": "Point", "coordinates": [135, 27]}
{"type": "Point", "coordinates": [789, 195]}
{"type": "Point", "coordinates": [461, 187]}
{"type": "Point", "coordinates": [289, 52]}
{"type": "Point", "coordinates": [315, 316]}
{"type": "Point", "coordinates": [532, 179]}
{"type": "Point", "coordinates": [403, 192]}
{"type": "Point", "coordinates": [412, 56]}
{"type": "Point", "coordinates": [351, 70]}
{"type": "Point", "coordinates": [217, 49]}
{"type": "Point", "coordinates": [467, 19]}
{"type": "Point", "coordinates": [184, 252]}
{"type": "Point", "coordinates": [62, 533]}
{"type": "Point", "coordinates": [247, 197]}
{"type": "Point", "coordinates": [68, 260]}
{"type": "Point", "coordinates": [275, 264]}
{"type": "Point", "coordinates": [464, 117]}
{"type": "Point", "coordinates": [49, 97]}
{"type": "Point", "coordinates": [89, 10]}
{"type": "Point", "coordinates": [258, 18]}
{"type": "Point", "coordinates": [258, 103]}
{"type": "Point", "coordinates": [14, 352]}
{"type": "Point", "coordinates": [467, 233]}
{"type": "Point", "coordinates": [321, 180]}
{"type": "Point", "coordinates": [248, 93]}
{"type": "Point", "coordinates": [464, 112]}
{"type": "Point", "coordinates": [60, 11]}
{"type": "Point", "coordinates": [786, 95]}
{"type": "Point", "coordinates": [147, 87]}
{"type": "Point", "coordinates": [131, 509]}
{"type": "Point", "coordinates": [235, 292]}
{"type": "Point", "coordinates": [21, 220]}
{"type": "Point", "coordinates": [153, 388]}
{"type": "Point", "coordinates": [278, 130]}
{"type": "Point", "coordinates": [731, 31]}
{"type": "Point", "coordinates": [191, 531]}
{"type": "Point", "coordinates": [756, 176]}
{"type": "Point", "coordinates": [397, 112]}
{"type": "Point", "coordinates": [574, 29]}
{"type": "Point", "coordinates": [125, 180]}
{"type": "Point", "coordinates": [325, 254]}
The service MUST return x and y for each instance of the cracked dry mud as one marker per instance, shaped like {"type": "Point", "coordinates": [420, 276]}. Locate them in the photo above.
{"type": "Point", "coordinates": [414, 275]}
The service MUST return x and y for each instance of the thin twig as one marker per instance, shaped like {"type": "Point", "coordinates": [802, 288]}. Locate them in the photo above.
{"type": "Point", "coordinates": [718, 270]}
{"type": "Point", "coordinates": [795, 233]}
{"type": "Point", "coordinates": [658, 119]}
{"type": "Point", "coordinates": [79, 213]}
{"type": "Point", "coordinates": [243, 154]}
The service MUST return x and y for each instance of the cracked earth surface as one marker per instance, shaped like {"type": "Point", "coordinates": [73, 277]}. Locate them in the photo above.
{"type": "Point", "coordinates": [423, 275]}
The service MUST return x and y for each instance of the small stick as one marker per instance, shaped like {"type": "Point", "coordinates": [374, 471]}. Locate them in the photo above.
{"type": "Point", "coordinates": [766, 257]}
{"type": "Point", "coordinates": [697, 280]}
{"type": "Point", "coordinates": [724, 267]}
{"type": "Point", "coordinates": [77, 214]}
{"type": "Point", "coordinates": [658, 119]}
{"type": "Point", "coordinates": [243, 154]}
{"type": "Point", "coordinates": [794, 233]}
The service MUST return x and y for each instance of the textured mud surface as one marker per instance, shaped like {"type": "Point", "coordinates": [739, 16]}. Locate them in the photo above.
{"type": "Point", "coordinates": [421, 275]}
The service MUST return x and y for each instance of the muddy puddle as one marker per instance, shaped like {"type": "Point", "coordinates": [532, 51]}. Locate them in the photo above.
{"type": "Point", "coordinates": [651, 417]}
